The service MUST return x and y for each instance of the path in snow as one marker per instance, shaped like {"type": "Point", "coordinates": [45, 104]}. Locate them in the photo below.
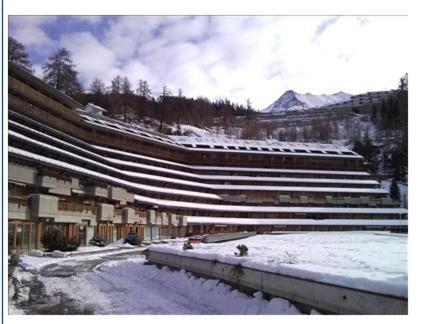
{"type": "Point", "coordinates": [118, 285]}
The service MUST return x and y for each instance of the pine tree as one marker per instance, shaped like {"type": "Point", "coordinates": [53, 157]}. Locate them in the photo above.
{"type": "Point", "coordinates": [394, 190]}
{"type": "Point", "coordinates": [17, 54]}
{"type": "Point", "coordinates": [60, 73]}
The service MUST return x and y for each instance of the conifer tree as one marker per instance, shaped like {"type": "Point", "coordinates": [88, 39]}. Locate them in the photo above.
{"type": "Point", "coordinates": [60, 73]}
{"type": "Point", "coordinates": [394, 190]}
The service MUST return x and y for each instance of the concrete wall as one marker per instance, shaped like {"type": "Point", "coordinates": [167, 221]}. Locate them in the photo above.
{"type": "Point", "coordinates": [129, 216]}
{"type": "Point", "coordinates": [97, 191]}
{"type": "Point", "coordinates": [21, 174]}
{"type": "Point", "coordinates": [331, 298]}
{"type": "Point", "coordinates": [17, 211]}
{"type": "Point", "coordinates": [105, 212]}
{"type": "Point", "coordinates": [44, 206]}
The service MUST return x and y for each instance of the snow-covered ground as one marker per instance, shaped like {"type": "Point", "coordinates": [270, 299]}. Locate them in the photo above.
{"type": "Point", "coordinates": [374, 261]}
{"type": "Point", "coordinates": [129, 286]}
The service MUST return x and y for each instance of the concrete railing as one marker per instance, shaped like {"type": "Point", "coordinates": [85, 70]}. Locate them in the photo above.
{"type": "Point", "coordinates": [223, 237]}
{"type": "Point", "coordinates": [327, 297]}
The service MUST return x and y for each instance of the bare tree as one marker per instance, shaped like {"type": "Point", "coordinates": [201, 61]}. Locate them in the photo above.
{"type": "Point", "coordinates": [97, 89]}
{"type": "Point", "coordinates": [17, 54]}
{"type": "Point", "coordinates": [144, 94]}
{"type": "Point", "coordinates": [126, 93]}
{"type": "Point", "coordinates": [165, 93]}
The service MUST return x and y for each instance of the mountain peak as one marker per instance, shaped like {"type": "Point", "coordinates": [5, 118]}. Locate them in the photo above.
{"type": "Point", "coordinates": [291, 100]}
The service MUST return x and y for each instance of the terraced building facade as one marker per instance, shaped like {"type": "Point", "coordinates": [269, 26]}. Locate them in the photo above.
{"type": "Point", "coordinates": [72, 168]}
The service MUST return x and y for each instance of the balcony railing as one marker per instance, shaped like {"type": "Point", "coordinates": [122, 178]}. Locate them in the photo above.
{"type": "Point", "coordinates": [75, 207]}
{"type": "Point", "coordinates": [20, 201]}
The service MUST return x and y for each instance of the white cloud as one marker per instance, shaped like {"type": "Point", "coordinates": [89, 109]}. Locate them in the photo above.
{"type": "Point", "coordinates": [245, 57]}
{"type": "Point", "coordinates": [89, 19]}
{"type": "Point", "coordinates": [29, 31]}
{"type": "Point", "coordinates": [92, 59]}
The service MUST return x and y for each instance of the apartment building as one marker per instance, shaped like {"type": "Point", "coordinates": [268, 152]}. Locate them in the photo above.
{"type": "Point", "coordinates": [72, 168]}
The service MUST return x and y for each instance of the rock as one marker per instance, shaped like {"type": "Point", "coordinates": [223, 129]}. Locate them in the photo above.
{"type": "Point", "coordinates": [36, 253]}
{"type": "Point", "coordinates": [58, 254]}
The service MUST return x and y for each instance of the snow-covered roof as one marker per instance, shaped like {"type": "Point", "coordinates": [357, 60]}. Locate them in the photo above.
{"type": "Point", "coordinates": [234, 169]}
{"type": "Point", "coordinates": [219, 144]}
{"type": "Point", "coordinates": [94, 109]}
{"type": "Point", "coordinates": [105, 177]}
{"type": "Point", "coordinates": [193, 183]}
{"type": "Point", "coordinates": [267, 209]}
{"type": "Point", "coordinates": [262, 146]}
{"type": "Point", "coordinates": [289, 221]}
{"type": "Point", "coordinates": [166, 170]}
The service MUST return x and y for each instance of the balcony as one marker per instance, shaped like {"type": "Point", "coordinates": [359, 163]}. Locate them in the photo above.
{"type": "Point", "coordinates": [19, 208]}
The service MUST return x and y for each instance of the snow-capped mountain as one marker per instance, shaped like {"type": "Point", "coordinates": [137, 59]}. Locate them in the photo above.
{"type": "Point", "coordinates": [291, 100]}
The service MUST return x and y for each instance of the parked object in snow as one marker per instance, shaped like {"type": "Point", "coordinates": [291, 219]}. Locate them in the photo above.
{"type": "Point", "coordinates": [133, 239]}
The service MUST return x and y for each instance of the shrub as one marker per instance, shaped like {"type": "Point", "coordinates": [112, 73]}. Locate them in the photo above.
{"type": "Point", "coordinates": [187, 245]}
{"type": "Point", "coordinates": [133, 239]}
{"type": "Point", "coordinates": [243, 250]}
{"type": "Point", "coordinates": [290, 258]}
{"type": "Point", "coordinates": [97, 240]}
{"type": "Point", "coordinates": [53, 239]}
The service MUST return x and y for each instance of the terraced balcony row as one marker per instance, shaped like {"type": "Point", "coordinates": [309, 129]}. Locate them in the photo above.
{"type": "Point", "coordinates": [23, 100]}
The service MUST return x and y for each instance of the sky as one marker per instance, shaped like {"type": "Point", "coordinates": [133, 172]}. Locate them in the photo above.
{"type": "Point", "coordinates": [234, 57]}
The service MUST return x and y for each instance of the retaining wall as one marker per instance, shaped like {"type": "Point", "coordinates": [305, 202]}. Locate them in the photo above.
{"type": "Point", "coordinates": [323, 296]}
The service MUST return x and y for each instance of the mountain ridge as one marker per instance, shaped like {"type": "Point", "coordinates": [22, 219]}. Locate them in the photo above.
{"type": "Point", "coordinates": [292, 100]}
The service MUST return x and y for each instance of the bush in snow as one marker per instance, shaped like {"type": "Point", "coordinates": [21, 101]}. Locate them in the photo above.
{"type": "Point", "coordinates": [132, 238]}
{"type": "Point", "coordinates": [53, 240]}
{"type": "Point", "coordinates": [36, 253]}
{"type": "Point", "coordinates": [243, 250]}
{"type": "Point", "coordinates": [290, 258]}
{"type": "Point", "coordinates": [187, 245]}
{"type": "Point", "coordinates": [97, 240]}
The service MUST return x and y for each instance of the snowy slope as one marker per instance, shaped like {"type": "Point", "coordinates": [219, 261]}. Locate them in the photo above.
{"type": "Point", "coordinates": [129, 286]}
{"type": "Point", "coordinates": [291, 100]}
